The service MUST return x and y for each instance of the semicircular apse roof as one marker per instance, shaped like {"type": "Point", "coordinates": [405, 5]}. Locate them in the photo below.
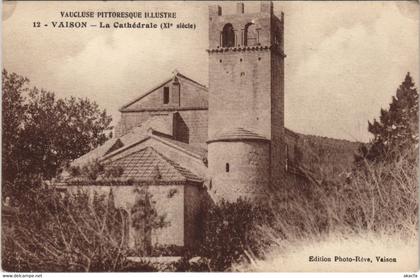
{"type": "Point", "coordinates": [237, 134]}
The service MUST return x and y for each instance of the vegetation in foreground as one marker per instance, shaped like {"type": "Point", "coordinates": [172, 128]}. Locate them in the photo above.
{"type": "Point", "coordinates": [377, 197]}
{"type": "Point", "coordinates": [376, 202]}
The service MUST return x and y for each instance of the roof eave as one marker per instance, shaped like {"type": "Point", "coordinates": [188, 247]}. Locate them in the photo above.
{"type": "Point", "coordinates": [237, 139]}
{"type": "Point", "coordinates": [176, 146]}
{"type": "Point", "coordinates": [145, 94]}
{"type": "Point", "coordinates": [128, 182]}
{"type": "Point", "coordinates": [123, 108]}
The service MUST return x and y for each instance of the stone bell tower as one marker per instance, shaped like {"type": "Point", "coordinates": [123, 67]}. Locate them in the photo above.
{"type": "Point", "coordinates": [246, 100]}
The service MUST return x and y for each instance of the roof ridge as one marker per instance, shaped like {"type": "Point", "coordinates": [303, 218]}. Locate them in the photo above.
{"type": "Point", "coordinates": [104, 147]}
{"type": "Point", "coordinates": [177, 145]}
{"type": "Point", "coordinates": [125, 156]}
{"type": "Point", "coordinates": [178, 167]}
{"type": "Point", "coordinates": [181, 171]}
{"type": "Point", "coordinates": [190, 79]}
{"type": "Point", "coordinates": [126, 147]}
{"type": "Point", "coordinates": [149, 91]}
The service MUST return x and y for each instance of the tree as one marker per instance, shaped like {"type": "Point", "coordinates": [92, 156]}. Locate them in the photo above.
{"type": "Point", "coordinates": [80, 230]}
{"type": "Point", "coordinates": [13, 115]}
{"type": "Point", "coordinates": [397, 130]}
{"type": "Point", "coordinates": [43, 132]}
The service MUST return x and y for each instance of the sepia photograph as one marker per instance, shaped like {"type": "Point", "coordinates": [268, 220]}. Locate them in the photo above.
{"type": "Point", "coordinates": [210, 136]}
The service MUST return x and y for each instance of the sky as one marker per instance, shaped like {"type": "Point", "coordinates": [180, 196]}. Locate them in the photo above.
{"type": "Point", "coordinates": [344, 60]}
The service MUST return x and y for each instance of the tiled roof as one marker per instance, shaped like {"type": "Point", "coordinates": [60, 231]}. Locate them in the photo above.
{"type": "Point", "coordinates": [237, 134]}
{"type": "Point", "coordinates": [149, 165]}
{"type": "Point", "coordinates": [195, 149]}
{"type": "Point", "coordinates": [95, 153]}
{"type": "Point", "coordinates": [134, 135]}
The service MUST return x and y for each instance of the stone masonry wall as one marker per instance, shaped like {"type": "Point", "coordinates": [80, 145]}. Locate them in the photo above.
{"type": "Point", "coordinates": [239, 20]}
{"type": "Point", "coordinates": [240, 91]}
{"type": "Point", "coordinates": [130, 120]}
{"type": "Point", "coordinates": [239, 81]}
{"type": "Point", "coordinates": [190, 102]}
{"type": "Point", "coordinates": [249, 169]}
{"type": "Point", "coordinates": [190, 95]}
{"type": "Point", "coordinates": [179, 205]}
{"type": "Point", "coordinates": [189, 126]}
{"type": "Point", "coordinates": [278, 146]}
{"type": "Point", "coordinates": [193, 201]}
{"type": "Point", "coordinates": [196, 122]}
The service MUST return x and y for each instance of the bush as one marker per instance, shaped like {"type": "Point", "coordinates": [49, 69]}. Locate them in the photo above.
{"type": "Point", "coordinates": [167, 250]}
{"type": "Point", "coordinates": [196, 264]}
{"type": "Point", "coordinates": [67, 233]}
{"type": "Point", "coordinates": [141, 266]}
{"type": "Point", "coordinates": [377, 202]}
{"type": "Point", "coordinates": [231, 233]}
{"type": "Point", "coordinates": [71, 232]}
{"type": "Point", "coordinates": [378, 197]}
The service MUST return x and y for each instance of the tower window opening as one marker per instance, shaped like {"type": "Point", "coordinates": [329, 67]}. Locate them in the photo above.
{"type": "Point", "coordinates": [228, 36]}
{"type": "Point", "coordinates": [277, 38]}
{"type": "Point", "coordinates": [165, 95]}
{"type": "Point", "coordinates": [220, 60]}
{"type": "Point", "coordinates": [240, 60]}
{"type": "Point", "coordinates": [227, 168]}
{"type": "Point", "coordinates": [250, 35]}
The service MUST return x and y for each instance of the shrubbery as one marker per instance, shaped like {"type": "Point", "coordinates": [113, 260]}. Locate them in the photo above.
{"type": "Point", "coordinates": [66, 233]}
{"type": "Point", "coordinates": [75, 231]}
{"type": "Point", "coordinates": [231, 232]}
{"type": "Point", "coordinates": [380, 193]}
{"type": "Point", "coordinates": [381, 198]}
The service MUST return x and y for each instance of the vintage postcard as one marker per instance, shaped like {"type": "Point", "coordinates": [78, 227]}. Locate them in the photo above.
{"type": "Point", "coordinates": [210, 136]}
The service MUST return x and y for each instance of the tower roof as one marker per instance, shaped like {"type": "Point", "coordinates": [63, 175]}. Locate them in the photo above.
{"type": "Point", "coordinates": [238, 134]}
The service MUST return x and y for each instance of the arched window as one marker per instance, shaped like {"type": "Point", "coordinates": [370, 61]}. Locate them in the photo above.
{"type": "Point", "coordinates": [251, 34]}
{"type": "Point", "coordinates": [227, 168]}
{"type": "Point", "coordinates": [228, 36]}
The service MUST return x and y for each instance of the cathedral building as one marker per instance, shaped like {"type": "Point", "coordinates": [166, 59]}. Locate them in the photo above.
{"type": "Point", "coordinates": [187, 143]}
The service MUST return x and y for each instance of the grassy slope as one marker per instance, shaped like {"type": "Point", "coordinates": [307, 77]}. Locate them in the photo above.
{"type": "Point", "coordinates": [326, 157]}
{"type": "Point", "coordinates": [372, 213]}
